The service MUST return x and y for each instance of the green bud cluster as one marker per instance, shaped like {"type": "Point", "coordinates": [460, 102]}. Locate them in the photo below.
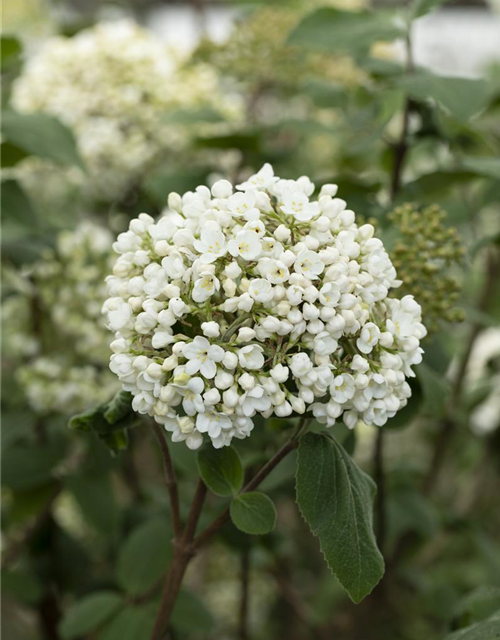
{"type": "Point", "coordinates": [424, 254]}
{"type": "Point", "coordinates": [257, 53]}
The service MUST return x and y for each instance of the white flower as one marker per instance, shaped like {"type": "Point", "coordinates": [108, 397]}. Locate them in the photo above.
{"type": "Point", "coordinates": [212, 244]}
{"type": "Point", "coordinates": [212, 423]}
{"type": "Point", "coordinates": [368, 337]}
{"type": "Point", "coordinates": [261, 290]}
{"type": "Point", "coordinates": [300, 364]}
{"type": "Point", "coordinates": [297, 204]}
{"type": "Point", "coordinates": [343, 388]}
{"type": "Point", "coordinates": [246, 244]}
{"type": "Point", "coordinates": [287, 326]}
{"type": "Point", "coordinates": [205, 287]}
{"type": "Point", "coordinates": [264, 179]}
{"type": "Point", "coordinates": [251, 356]}
{"type": "Point", "coordinates": [309, 264]}
{"type": "Point", "coordinates": [243, 205]}
{"type": "Point", "coordinates": [202, 356]}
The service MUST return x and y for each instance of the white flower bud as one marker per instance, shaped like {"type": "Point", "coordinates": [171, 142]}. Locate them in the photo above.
{"type": "Point", "coordinates": [280, 373]}
{"type": "Point", "coordinates": [210, 329]}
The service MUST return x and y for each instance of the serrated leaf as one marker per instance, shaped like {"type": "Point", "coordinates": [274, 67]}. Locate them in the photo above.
{"type": "Point", "coordinates": [336, 499]}
{"type": "Point", "coordinates": [463, 97]}
{"type": "Point", "coordinates": [488, 629]}
{"type": "Point", "coordinates": [337, 31]}
{"type": "Point", "coordinates": [253, 513]}
{"type": "Point", "coordinates": [42, 135]}
{"type": "Point", "coordinates": [89, 614]}
{"type": "Point", "coordinates": [221, 470]}
{"type": "Point", "coordinates": [144, 557]}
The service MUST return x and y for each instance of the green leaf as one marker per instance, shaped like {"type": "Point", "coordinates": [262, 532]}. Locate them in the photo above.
{"type": "Point", "coordinates": [144, 557]}
{"type": "Point", "coordinates": [21, 585]}
{"type": "Point", "coordinates": [337, 31]}
{"type": "Point", "coordinates": [191, 616]}
{"type": "Point", "coordinates": [253, 513]}
{"type": "Point", "coordinates": [10, 51]}
{"type": "Point", "coordinates": [335, 498]}
{"type": "Point", "coordinates": [119, 407]}
{"type": "Point", "coordinates": [89, 613]}
{"type": "Point", "coordinates": [110, 421]}
{"type": "Point", "coordinates": [133, 623]}
{"type": "Point", "coordinates": [463, 97]}
{"type": "Point", "coordinates": [488, 167]}
{"type": "Point", "coordinates": [476, 606]}
{"type": "Point", "coordinates": [41, 135]}
{"type": "Point", "coordinates": [96, 499]}
{"type": "Point", "coordinates": [11, 155]}
{"type": "Point", "coordinates": [435, 389]}
{"type": "Point", "coordinates": [17, 209]}
{"type": "Point", "coordinates": [488, 629]}
{"type": "Point", "coordinates": [24, 468]}
{"type": "Point", "coordinates": [221, 470]}
{"type": "Point", "coordinates": [419, 8]}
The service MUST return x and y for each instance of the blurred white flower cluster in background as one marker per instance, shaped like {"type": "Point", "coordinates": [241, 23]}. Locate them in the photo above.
{"type": "Point", "coordinates": [57, 315]}
{"type": "Point", "coordinates": [259, 301]}
{"type": "Point", "coordinates": [113, 84]}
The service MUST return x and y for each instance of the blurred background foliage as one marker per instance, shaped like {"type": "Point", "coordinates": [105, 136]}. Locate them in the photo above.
{"type": "Point", "coordinates": [337, 92]}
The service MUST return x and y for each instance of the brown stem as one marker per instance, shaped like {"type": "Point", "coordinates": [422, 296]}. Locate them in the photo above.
{"type": "Point", "coordinates": [244, 595]}
{"type": "Point", "coordinates": [183, 552]}
{"type": "Point", "coordinates": [170, 480]}
{"type": "Point", "coordinates": [188, 545]}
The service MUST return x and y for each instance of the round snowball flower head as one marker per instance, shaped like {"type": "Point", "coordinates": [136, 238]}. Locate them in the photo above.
{"type": "Point", "coordinates": [113, 84]}
{"type": "Point", "coordinates": [259, 300]}
{"type": "Point", "coordinates": [59, 341]}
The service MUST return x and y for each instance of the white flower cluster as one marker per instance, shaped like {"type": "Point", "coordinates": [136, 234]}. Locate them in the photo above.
{"type": "Point", "coordinates": [66, 371]}
{"type": "Point", "coordinates": [260, 300]}
{"type": "Point", "coordinates": [113, 84]}
{"type": "Point", "coordinates": [54, 385]}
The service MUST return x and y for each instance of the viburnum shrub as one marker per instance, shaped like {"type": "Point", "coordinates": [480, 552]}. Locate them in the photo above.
{"type": "Point", "coordinates": [259, 301]}
{"type": "Point", "coordinates": [262, 300]}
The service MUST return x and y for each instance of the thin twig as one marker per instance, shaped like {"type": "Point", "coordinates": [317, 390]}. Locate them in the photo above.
{"type": "Point", "coordinates": [183, 552]}
{"type": "Point", "coordinates": [170, 480]}
{"type": "Point", "coordinates": [187, 545]}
